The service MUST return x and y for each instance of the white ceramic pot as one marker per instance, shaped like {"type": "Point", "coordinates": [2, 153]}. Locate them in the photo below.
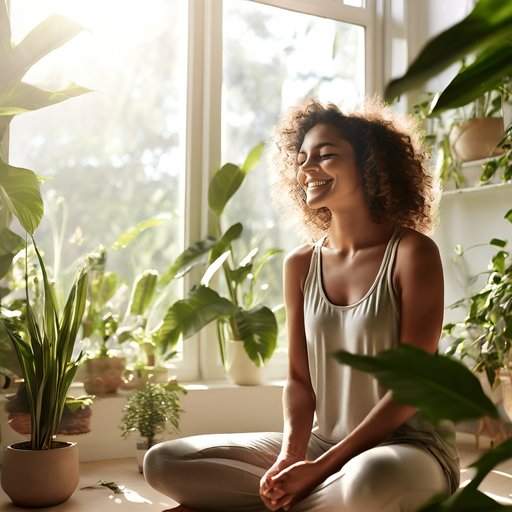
{"type": "Point", "coordinates": [477, 138]}
{"type": "Point", "coordinates": [40, 478]}
{"type": "Point", "coordinates": [240, 368]}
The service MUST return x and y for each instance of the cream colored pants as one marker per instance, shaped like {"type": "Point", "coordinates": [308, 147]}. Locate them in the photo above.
{"type": "Point", "coordinates": [222, 472]}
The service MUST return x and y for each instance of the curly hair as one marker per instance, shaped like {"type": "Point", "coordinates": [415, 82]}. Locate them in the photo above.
{"type": "Point", "coordinates": [389, 157]}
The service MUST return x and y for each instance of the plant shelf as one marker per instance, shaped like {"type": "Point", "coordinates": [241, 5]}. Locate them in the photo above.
{"type": "Point", "coordinates": [478, 189]}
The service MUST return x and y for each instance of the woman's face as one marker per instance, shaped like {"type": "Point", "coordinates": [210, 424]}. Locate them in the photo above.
{"type": "Point", "coordinates": [328, 158]}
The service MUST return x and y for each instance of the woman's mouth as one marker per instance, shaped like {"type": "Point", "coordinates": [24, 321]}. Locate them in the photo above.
{"type": "Point", "coordinates": [317, 184]}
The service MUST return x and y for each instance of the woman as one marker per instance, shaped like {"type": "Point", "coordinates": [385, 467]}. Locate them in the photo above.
{"type": "Point", "coordinates": [373, 279]}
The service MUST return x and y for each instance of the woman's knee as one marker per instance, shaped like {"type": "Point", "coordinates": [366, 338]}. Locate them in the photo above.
{"type": "Point", "coordinates": [158, 462]}
{"type": "Point", "coordinates": [390, 481]}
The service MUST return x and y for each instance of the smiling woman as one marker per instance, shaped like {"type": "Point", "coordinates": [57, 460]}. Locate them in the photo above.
{"type": "Point", "coordinates": [373, 145]}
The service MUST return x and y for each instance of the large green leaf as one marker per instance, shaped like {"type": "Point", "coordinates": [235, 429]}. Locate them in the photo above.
{"type": "Point", "coordinates": [143, 292]}
{"type": "Point", "coordinates": [490, 21]}
{"type": "Point", "coordinates": [49, 35]}
{"type": "Point", "coordinates": [465, 500]}
{"type": "Point", "coordinates": [24, 98]}
{"type": "Point", "coordinates": [439, 386]}
{"type": "Point", "coordinates": [190, 315]}
{"type": "Point", "coordinates": [131, 234]}
{"type": "Point", "coordinates": [257, 328]}
{"type": "Point", "coordinates": [253, 157]}
{"type": "Point", "coordinates": [186, 258]}
{"type": "Point", "coordinates": [232, 233]}
{"type": "Point", "coordinates": [10, 245]}
{"type": "Point", "coordinates": [20, 192]}
{"type": "Point", "coordinates": [225, 182]}
{"type": "Point", "coordinates": [485, 74]}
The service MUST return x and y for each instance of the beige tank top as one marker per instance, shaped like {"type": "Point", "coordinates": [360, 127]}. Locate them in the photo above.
{"type": "Point", "coordinates": [344, 396]}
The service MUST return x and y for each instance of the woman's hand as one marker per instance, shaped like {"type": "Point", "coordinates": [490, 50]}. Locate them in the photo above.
{"type": "Point", "coordinates": [294, 483]}
{"type": "Point", "coordinates": [269, 492]}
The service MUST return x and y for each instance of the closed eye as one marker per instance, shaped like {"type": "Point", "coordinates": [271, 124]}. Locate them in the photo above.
{"type": "Point", "coordinates": [330, 155]}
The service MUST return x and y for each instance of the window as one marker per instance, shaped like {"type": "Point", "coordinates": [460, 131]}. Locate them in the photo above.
{"type": "Point", "coordinates": [272, 59]}
{"type": "Point", "coordinates": [179, 87]}
{"type": "Point", "coordinates": [115, 156]}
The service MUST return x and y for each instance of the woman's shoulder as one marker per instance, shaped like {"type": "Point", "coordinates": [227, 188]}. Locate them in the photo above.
{"type": "Point", "coordinates": [298, 260]}
{"type": "Point", "coordinates": [413, 243]}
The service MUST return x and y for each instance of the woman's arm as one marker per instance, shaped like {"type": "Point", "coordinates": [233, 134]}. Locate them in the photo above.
{"type": "Point", "coordinates": [419, 284]}
{"type": "Point", "coordinates": [298, 394]}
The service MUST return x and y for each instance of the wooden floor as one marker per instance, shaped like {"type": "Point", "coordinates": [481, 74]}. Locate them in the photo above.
{"type": "Point", "coordinates": [137, 495]}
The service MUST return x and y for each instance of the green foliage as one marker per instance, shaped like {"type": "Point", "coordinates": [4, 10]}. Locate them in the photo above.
{"type": "Point", "coordinates": [150, 410]}
{"type": "Point", "coordinates": [487, 31]}
{"type": "Point", "coordinates": [255, 325]}
{"type": "Point", "coordinates": [45, 357]}
{"type": "Point", "coordinates": [440, 388]}
{"type": "Point", "coordinates": [409, 371]}
{"type": "Point", "coordinates": [19, 188]}
{"type": "Point", "coordinates": [502, 163]}
{"type": "Point", "coordinates": [485, 335]}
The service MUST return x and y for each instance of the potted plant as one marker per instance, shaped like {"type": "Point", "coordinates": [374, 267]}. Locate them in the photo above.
{"type": "Point", "coordinates": [44, 471]}
{"type": "Point", "coordinates": [103, 370]}
{"type": "Point", "coordinates": [477, 136]}
{"type": "Point", "coordinates": [484, 37]}
{"type": "Point", "coordinates": [149, 411]}
{"type": "Point", "coordinates": [485, 337]}
{"type": "Point", "coordinates": [145, 299]}
{"type": "Point", "coordinates": [246, 332]}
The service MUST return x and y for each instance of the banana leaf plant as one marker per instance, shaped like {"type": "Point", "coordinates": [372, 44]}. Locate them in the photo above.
{"type": "Point", "coordinates": [441, 388]}
{"type": "Point", "coordinates": [485, 335]}
{"type": "Point", "coordinates": [485, 33]}
{"type": "Point", "coordinates": [46, 354]}
{"type": "Point", "coordinates": [20, 194]}
{"type": "Point", "coordinates": [236, 315]}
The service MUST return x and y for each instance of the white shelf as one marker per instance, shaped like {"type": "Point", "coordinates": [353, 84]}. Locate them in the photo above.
{"type": "Point", "coordinates": [478, 189]}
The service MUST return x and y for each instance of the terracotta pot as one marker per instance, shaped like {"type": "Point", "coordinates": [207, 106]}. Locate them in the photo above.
{"type": "Point", "coordinates": [104, 375]}
{"type": "Point", "coordinates": [477, 138]}
{"type": "Point", "coordinates": [240, 368]}
{"type": "Point", "coordinates": [40, 478]}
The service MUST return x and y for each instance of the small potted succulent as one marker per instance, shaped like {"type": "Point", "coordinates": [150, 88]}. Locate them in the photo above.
{"type": "Point", "coordinates": [149, 411]}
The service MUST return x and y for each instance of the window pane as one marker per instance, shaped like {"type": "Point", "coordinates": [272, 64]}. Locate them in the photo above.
{"type": "Point", "coordinates": [115, 156]}
{"type": "Point", "coordinates": [274, 58]}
